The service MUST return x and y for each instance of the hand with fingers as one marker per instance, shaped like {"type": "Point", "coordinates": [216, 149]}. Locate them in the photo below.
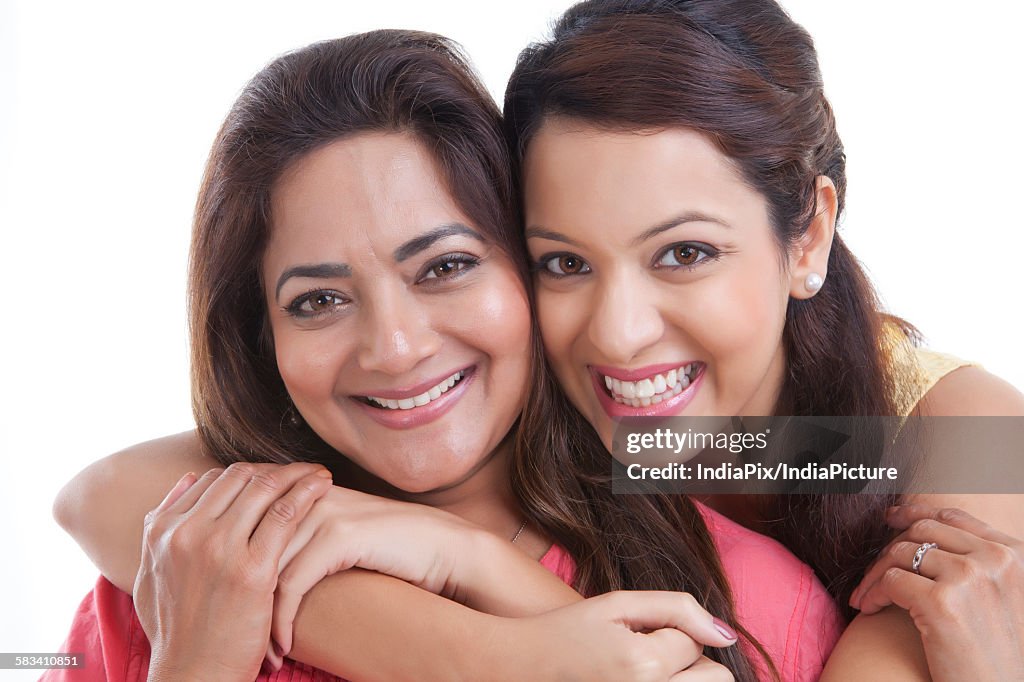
{"type": "Point", "coordinates": [346, 528]}
{"type": "Point", "coordinates": [639, 636]}
{"type": "Point", "coordinates": [623, 635]}
{"type": "Point", "coordinates": [962, 583]}
{"type": "Point", "coordinates": [211, 551]}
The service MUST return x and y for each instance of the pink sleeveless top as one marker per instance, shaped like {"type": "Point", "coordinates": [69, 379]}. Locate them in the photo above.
{"type": "Point", "coordinates": [780, 602]}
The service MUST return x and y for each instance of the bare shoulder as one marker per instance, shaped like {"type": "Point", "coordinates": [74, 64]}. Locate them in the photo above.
{"type": "Point", "coordinates": [970, 392]}
{"type": "Point", "coordinates": [143, 472]}
{"type": "Point", "coordinates": [973, 392]}
{"type": "Point", "coordinates": [883, 646]}
{"type": "Point", "coordinates": [184, 445]}
{"type": "Point", "coordinates": [160, 460]}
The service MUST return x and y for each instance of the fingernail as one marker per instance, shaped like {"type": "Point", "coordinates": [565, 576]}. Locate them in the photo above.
{"type": "Point", "coordinates": [185, 482]}
{"type": "Point", "coordinates": [278, 650]}
{"type": "Point", "coordinates": [724, 629]}
{"type": "Point", "coordinates": [324, 473]}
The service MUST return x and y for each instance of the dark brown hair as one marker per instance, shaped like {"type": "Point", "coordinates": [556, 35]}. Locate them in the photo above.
{"type": "Point", "coordinates": [743, 73]}
{"type": "Point", "coordinates": [383, 81]}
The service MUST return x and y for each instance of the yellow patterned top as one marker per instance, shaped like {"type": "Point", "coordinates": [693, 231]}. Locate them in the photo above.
{"type": "Point", "coordinates": [926, 368]}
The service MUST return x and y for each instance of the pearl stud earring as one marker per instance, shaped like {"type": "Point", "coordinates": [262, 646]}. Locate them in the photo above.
{"type": "Point", "coordinates": [813, 282]}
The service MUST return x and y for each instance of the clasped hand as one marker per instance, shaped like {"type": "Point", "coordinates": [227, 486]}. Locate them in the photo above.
{"type": "Point", "coordinates": [227, 560]}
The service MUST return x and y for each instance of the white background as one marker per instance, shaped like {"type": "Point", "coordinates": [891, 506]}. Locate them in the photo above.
{"type": "Point", "coordinates": [107, 111]}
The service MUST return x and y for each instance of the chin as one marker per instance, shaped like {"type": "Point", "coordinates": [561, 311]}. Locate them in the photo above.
{"type": "Point", "coordinates": [435, 476]}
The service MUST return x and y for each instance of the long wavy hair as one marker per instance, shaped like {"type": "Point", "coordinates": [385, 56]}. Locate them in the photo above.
{"type": "Point", "coordinates": [746, 75]}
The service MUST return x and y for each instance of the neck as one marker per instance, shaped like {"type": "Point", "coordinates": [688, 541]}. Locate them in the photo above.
{"type": "Point", "coordinates": [484, 497]}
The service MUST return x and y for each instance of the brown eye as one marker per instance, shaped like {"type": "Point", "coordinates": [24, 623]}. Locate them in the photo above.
{"type": "Point", "coordinates": [444, 269]}
{"type": "Point", "coordinates": [570, 265]}
{"type": "Point", "coordinates": [686, 255]}
{"type": "Point", "coordinates": [322, 301]}
{"type": "Point", "coordinates": [566, 264]}
{"type": "Point", "coordinates": [449, 266]}
{"type": "Point", "coordinates": [317, 303]}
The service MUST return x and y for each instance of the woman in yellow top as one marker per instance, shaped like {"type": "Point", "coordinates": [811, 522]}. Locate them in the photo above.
{"type": "Point", "coordinates": [682, 179]}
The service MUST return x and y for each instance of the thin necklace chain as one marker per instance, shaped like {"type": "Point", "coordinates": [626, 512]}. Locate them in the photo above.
{"type": "Point", "coordinates": [518, 532]}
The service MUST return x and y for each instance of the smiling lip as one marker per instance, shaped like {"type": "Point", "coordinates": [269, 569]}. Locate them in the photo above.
{"type": "Point", "coordinates": [402, 393]}
{"type": "Point", "coordinates": [665, 408]}
{"type": "Point", "coordinates": [636, 374]}
{"type": "Point", "coordinates": [420, 415]}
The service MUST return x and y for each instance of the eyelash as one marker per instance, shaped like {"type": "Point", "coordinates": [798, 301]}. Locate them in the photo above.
{"type": "Point", "coordinates": [542, 266]}
{"type": "Point", "coordinates": [295, 307]}
{"type": "Point", "coordinates": [463, 262]}
{"type": "Point", "coordinates": [710, 254]}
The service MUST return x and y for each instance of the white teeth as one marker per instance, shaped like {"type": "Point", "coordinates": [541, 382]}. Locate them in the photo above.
{"type": "Point", "coordinates": [652, 390]}
{"type": "Point", "coordinates": [419, 400]}
{"type": "Point", "coordinates": [644, 389]}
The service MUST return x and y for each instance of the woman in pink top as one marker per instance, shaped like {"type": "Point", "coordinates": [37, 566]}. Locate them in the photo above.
{"type": "Point", "coordinates": [356, 288]}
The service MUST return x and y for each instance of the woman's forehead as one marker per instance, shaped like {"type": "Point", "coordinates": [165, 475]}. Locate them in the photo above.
{"type": "Point", "coordinates": [370, 192]}
{"type": "Point", "coordinates": [631, 181]}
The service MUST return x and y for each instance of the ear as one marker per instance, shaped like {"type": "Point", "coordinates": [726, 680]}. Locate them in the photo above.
{"type": "Point", "coordinates": [809, 256]}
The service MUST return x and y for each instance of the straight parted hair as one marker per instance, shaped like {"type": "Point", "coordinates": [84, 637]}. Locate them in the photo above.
{"type": "Point", "coordinates": [419, 84]}
{"type": "Point", "coordinates": [746, 75]}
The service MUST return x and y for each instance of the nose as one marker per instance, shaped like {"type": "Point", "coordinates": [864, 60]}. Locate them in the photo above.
{"type": "Point", "coordinates": [396, 334]}
{"type": "Point", "coordinates": [624, 321]}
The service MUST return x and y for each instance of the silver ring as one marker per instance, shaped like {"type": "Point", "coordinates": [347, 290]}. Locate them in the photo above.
{"type": "Point", "coordinates": [919, 555]}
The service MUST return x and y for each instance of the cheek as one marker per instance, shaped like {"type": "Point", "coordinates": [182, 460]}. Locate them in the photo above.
{"type": "Point", "coordinates": [495, 319]}
{"type": "Point", "coordinates": [557, 315]}
{"type": "Point", "coordinates": [308, 362]}
{"type": "Point", "coordinates": [505, 314]}
{"type": "Point", "coordinates": [738, 318]}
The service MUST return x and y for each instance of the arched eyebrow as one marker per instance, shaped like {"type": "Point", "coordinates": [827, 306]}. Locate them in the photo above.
{"type": "Point", "coordinates": [403, 252]}
{"type": "Point", "coordinates": [426, 240]}
{"type": "Point", "coordinates": [544, 233]}
{"type": "Point", "coordinates": [319, 270]}
{"type": "Point", "coordinates": [689, 217]}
